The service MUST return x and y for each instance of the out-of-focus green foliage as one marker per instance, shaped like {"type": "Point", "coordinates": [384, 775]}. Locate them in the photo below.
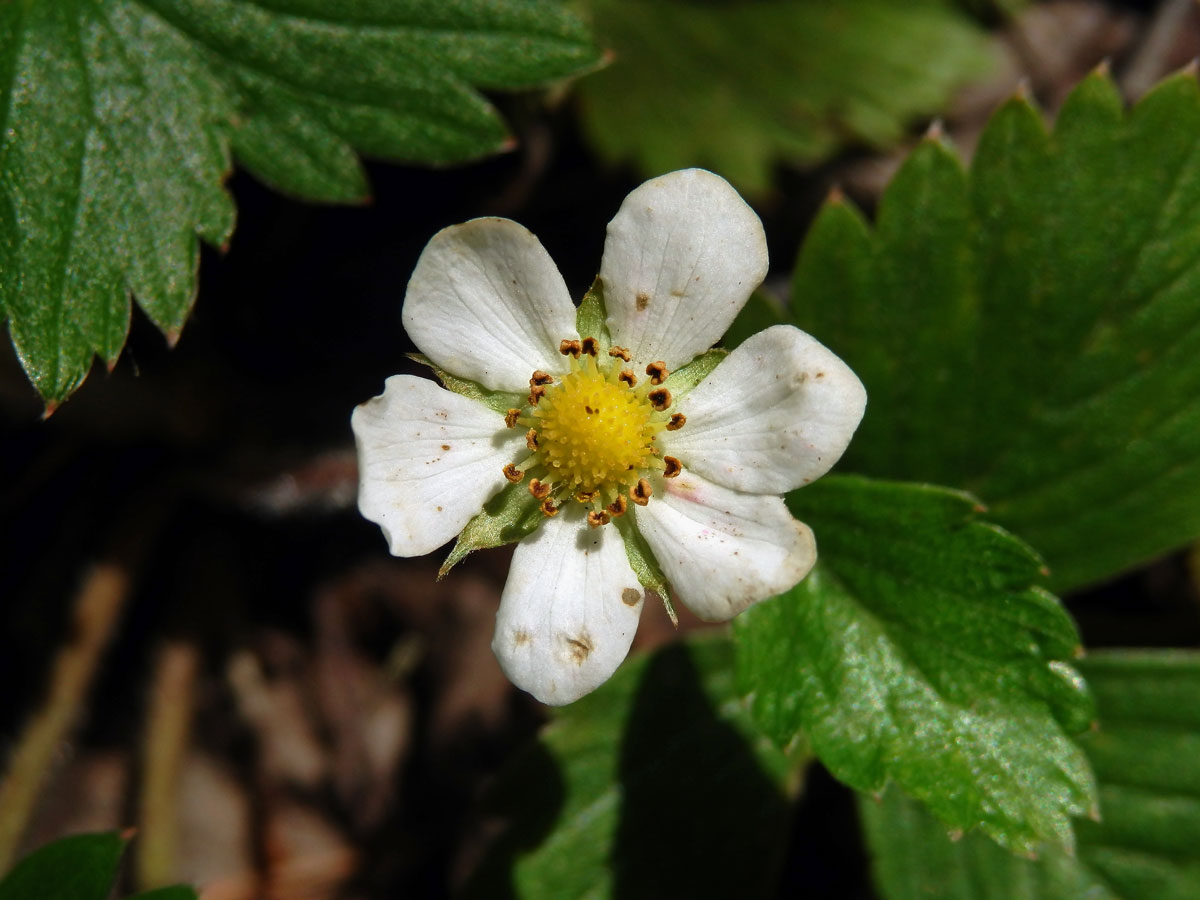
{"type": "Point", "coordinates": [656, 785]}
{"type": "Point", "coordinates": [81, 867]}
{"type": "Point", "coordinates": [116, 120]}
{"type": "Point", "coordinates": [920, 652]}
{"type": "Point", "coordinates": [1146, 845]}
{"type": "Point", "coordinates": [1028, 330]}
{"type": "Point", "coordinates": [739, 87]}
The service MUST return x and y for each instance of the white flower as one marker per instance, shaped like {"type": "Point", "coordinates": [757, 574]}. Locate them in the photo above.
{"type": "Point", "coordinates": [603, 435]}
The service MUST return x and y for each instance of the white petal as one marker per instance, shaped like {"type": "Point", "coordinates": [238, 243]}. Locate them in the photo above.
{"type": "Point", "coordinates": [777, 413]}
{"type": "Point", "coordinates": [428, 460]}
{"type": "Point", "coordinates": [683, 254]}
{"type": "Point", "coordinates": [569, 610]}
{"type": "Point", "coordinates": [723, 550]}
{"type": "Point", "coordinates": [487, 303]}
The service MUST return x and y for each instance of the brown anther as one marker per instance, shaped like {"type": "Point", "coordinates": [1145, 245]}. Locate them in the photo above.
{"type": "Point", "coordinates": [672, 467]}
{"type": "Point", "coordinates": [586, 496]}
{"type": "Point", "coordinates": [513, 474]}
{"type": "Point", "coordinates": [531, 439]}
{"type": "Point", "coordinates": [539, 377]}
{"type": "Point", "coordinates": [657, 371]}
{"type": "Point", "coordinates": [618, 506]}
{"type": "Point", "coordinates": [510, 418]}
{"type": "Point", "coordinates": [596, 519]}
{"type": "Point", "coordinates": [536, 393]}
{"type": "Point", "coordinates": [570, 348]}
{"type": "Point", "coordinates": [628, 377]}
{"type": "Point", "coordinates": [660, 399]}
{"type": "Point", "coordinates": [539, 489]}
{"type": "Point", "coordinates": [640, 492]}
{"type": "Point", "coordinates": [549, 507]}
{"type": "Point", "coordinates": [677, 421]}
{"type": "Point", "coordinates": [588, 346]}
{"type": "Point", "coordinates": [620, 352]}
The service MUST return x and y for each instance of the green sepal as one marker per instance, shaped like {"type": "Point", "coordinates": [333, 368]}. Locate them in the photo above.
{"type": "Point", "coordinates": [644, 565]}
{"type": "Point", "coordinates": [500, 401]}
{"type": "Point", "coordinates": [682, 380]}
{"type": "Point", "coordinates": [591, 319]}
{"type": "Point", "coordinates": [506, 518]}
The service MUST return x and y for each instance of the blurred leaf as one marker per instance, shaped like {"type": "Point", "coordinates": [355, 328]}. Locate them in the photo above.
{"type": "Point", "coordinates": [761, 311]}
{"type": "Point", "coordinates": [80, 867]}
{"type": "Point", "coordinates": [1030, 330]}
{"type": "Point", "coordinates": [738, 87]}
{"type": "Point", "coordinates": [1147, 846]}
{"type": "Point", "coordinates": [116, 119]}
{"type": "Point", "coordinates": [654, 786]}
{"type": "Point", "coordinates": [919, 651]}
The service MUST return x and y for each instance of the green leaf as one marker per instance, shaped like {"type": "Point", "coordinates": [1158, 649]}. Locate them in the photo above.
{"type": "Point", "coordinates": [761, 311]}
{"type": "Point", "coordinates": [116, 120]}
{"type": "Point", "coordinates": [656, 785]}
{"type": "Point", "coordinates": [919, 651]}
{"type": "Point", "coordinates": [1146, 847]}
{"type": "Point", "coordinates": [1029, 330]}
{"type": "Point", "coordinates": [737, 87]}
{"type": "Point", "coordinates": [81, 867]}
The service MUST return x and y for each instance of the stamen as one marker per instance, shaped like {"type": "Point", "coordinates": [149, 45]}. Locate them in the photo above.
{"type": "Point", "coordinates": [540, 377]}
{"type": "Point", "coordinates": [658, 372]}
{"type": "Point", "coordinates": [570, 348]}
{"type": "Point", "coordinates": [531, 440]}
{"type": "Point", "coordinates": [671, 467]}
{"type": "Point", "coordinates": [549, 508]}
{"type": "Point", "coordinates": [618, 506]}
{"type": "Point", "coordinates": [510, 418]}
{"type": "Point", "coordinates": [659, 399]}
{"type": "Point", "coordinates": [596, 519]}
{"type": "Point", "coordinates": [586, 496]}
{"type": "Point", "coordinates": [513, 474]}
{"type": "Point", "coordinates": [677, 421]}
{"type": "Point", "coordinates": [628, 377]}
{"type": "Point", "coordinates": [536, 394]}
{"type": "Point", "coordinates": [539, 489]}
{"type": "Point", "coordinates": [589, 346]}
{"type": "Point", "coordinates": [620, 352]}
{"type": "Point", "coordinates": [640, 492]}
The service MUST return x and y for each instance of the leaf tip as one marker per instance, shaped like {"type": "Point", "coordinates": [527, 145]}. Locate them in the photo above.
{"type": "Point", "coordinates": [936, 132]}
{"type": "Point", "coordinates": [836, 196]}
{"type": "Point", "coordinates": [51, 406]}
{"type": "Point", "coordinates": [172, 335]}
{"type": "Point", "coordinates": [1192, 69]}
{"type": "Point", "coordinates": [1103, 68]}
{"type": "Point", "coordinates": [1023, 91]}
{"type": "Point", "coordinates": [955, 835]}
{"type": "Point", "coordinates": [1093, 813]}
{"type": "Point", "coordinates": [508, 145]}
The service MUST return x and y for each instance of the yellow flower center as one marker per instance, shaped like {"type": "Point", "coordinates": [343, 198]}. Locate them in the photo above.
{"type": "Point", "coordinates": [596, 434]}
{"type": "Point", "coordinates": [591, 433]}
